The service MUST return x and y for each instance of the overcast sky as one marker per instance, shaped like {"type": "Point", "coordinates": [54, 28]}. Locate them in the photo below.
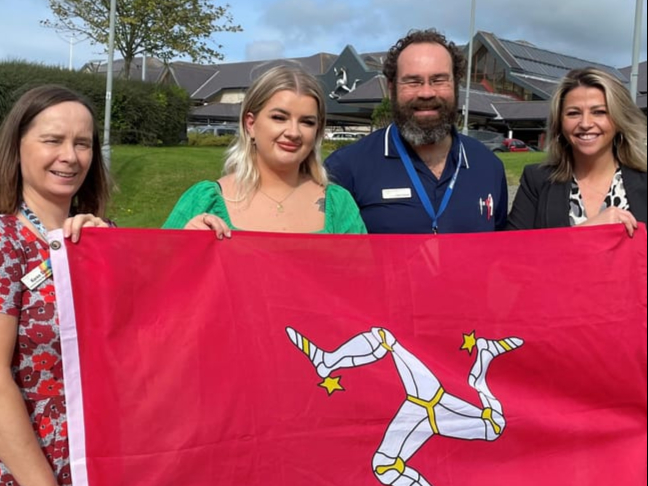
{"type": "Point", "coordinates": [595, 30]}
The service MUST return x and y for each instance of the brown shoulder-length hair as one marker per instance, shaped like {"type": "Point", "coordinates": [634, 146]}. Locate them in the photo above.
{"type": "Point", "coordinates": [630, 139]}
{"type": "Point", "coordinates": [92, 196]}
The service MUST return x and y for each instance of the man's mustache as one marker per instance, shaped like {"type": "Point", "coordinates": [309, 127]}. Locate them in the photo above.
{"type": "Point", "coordinates": [422, 106]}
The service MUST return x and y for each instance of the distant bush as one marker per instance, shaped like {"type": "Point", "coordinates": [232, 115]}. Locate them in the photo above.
{"type": "Point", "coordinates": [209, 140]}
{"type": "Point", "coordinates": [331, 145]}
{"type": "Point", "coordinates": [141, 113]}
{"type": "Point", "coordinates": [382, 114]}
{"type": "Point", "coordinates": [5, 99]}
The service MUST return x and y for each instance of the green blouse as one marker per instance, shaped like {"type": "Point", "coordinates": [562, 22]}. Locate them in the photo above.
{"type": "Point", "coordinates": [341, 214]}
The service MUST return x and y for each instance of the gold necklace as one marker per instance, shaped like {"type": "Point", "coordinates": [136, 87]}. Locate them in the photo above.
{"type": "Point", "coordinates": [279, 202]}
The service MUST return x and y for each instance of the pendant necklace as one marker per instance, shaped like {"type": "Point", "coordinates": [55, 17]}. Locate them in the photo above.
{"type": "Point", "coordinates": [279, 202]}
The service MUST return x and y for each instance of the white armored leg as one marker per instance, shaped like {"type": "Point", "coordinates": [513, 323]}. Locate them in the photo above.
{"type": "Point", "coordinates": [362, 349]}
{"type": "Point", "coordinates": [487, 350]}
{"type": "Point", "coordinates": [394, 471]}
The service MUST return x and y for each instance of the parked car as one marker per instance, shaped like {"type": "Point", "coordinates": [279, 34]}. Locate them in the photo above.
{"type": "Point", "coordinates": [512, 145]}
{"type": "Point", "coordinates": [345, 136]}
{"type": "Point", "coordinates": [218, 130]}
{"type": "Point", "coordinates": [493, 140]}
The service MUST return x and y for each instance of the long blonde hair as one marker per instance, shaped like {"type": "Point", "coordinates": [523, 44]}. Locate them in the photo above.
{"type": "Point", "coordinates": [630, 122]}
{"type": "Point", "coordinates": [240, 156]}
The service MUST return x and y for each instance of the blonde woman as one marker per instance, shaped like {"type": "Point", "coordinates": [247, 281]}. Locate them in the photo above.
{"type": "Point", "coordinates": [273, 179]}
{"type": "Point", "coordinates": [596, 169]}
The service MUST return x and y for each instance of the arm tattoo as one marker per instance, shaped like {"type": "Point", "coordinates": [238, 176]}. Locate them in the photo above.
{"type": "Point", "coordinates": [321, 202]}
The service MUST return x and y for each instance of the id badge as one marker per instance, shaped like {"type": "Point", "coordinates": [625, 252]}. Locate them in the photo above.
{"type": "Point", "coordinates": [399, 193]}
{"type": "Point", "coordinates": [38, 275]}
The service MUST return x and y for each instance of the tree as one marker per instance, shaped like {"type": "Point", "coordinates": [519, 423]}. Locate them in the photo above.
{"type": "Point", "coordinates": [161, 28]}
{"type": "Point", "coordinates": [382, 114]}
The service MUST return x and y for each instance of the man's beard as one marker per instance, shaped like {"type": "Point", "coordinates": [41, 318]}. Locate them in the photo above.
{"type": "Point", "coordinates": [425, 130]}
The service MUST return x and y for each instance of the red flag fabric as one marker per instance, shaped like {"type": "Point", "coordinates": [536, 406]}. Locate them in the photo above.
{"type": "Point", "coordinates": [475, 360]}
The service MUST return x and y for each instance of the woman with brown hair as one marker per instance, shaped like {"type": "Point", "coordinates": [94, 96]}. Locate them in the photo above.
{"type": "Point", "coordinates": [51, 176]}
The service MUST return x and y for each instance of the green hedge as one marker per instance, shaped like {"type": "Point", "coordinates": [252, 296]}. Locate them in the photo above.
{"type": "Point", "coordinates": [332, 145]}
{"type": "Point", "coordinates": [209, 140]}
{"type": "Point", "coordinates": [141, 113]}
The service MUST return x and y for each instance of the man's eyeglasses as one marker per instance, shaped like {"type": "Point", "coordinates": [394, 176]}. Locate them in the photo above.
{"type": "Point", "coordinates": [437, 82]}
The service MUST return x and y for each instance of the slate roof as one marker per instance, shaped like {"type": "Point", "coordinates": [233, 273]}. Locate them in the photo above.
{"type": "Point", "coordinates": [372, 90]}
{"type": "Point", "coordinates": [374, 60]}
{"type": "Point", "coordinates": [544, 88]}
{"type": "Point", "coordinates": [547, 64]}
{"type": "Point", "coordinates": [481, 102]}
{"type": "Point", "coordinates": [497, 47]}
{"type": "Point", "coordinates": [641, 79]}
{"type": "Point", "coordinates": [154, 68]}
{"type": "Point", "coordinates": [522, 110]}
{"type": "Point", "coordinates": [191, 76]}
{"type": "Point", "coordinates": [535, 69]}
{"type": "Point", "coordinates": [219, 111]}
{"type": "Point", "coordinates": [239, 75]}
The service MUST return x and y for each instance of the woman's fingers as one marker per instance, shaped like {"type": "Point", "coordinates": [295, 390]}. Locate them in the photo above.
{"type": "Point", "coordinates": [211, 222]}
{"type": "Point", "coordinates": [72, 226]}
{"type": "Point", "coordinates": [628, 220]}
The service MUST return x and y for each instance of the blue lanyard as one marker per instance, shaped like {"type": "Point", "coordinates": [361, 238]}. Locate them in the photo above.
{"type": "Point", "coordinates": [418, 185]}
{"type": "Point", "coordinates": [36, 276]}
{"type": "Point", "coordinates": [33, 219]}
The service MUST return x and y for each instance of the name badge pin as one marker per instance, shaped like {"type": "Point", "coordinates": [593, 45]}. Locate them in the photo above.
{"type": "Point", "coordinates": [38, 275]}
{"type": "Point", "coordinates": [397, 193]}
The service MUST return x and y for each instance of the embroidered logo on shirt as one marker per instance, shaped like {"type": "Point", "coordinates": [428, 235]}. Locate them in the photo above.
{"type": "Point", "coordinates": [486, 205]}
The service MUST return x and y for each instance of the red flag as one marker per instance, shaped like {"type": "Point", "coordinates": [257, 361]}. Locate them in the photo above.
{"type": "Point", "coordinates": [484, 359]}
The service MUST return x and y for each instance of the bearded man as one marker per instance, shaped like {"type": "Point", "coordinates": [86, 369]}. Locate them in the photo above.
{"type": "Point", "coordinates": [419, 175]}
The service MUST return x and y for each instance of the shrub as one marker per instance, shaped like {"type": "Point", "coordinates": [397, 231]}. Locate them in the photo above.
{"type": "Point", "coordinates": [332, 145]}
{"type": "Point", "coordinates": [141, 113]}
{"type": "Point", "coordinates": [382, 114]}
{"type": "Point", "coordinates": [209, 140]}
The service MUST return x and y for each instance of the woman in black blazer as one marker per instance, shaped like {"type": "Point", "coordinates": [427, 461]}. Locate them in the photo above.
{"type": "Point", "coordinates": [596, 169]}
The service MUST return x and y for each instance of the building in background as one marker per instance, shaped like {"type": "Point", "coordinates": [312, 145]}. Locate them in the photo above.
{"type": "Point", "coordinates": [511, 83]}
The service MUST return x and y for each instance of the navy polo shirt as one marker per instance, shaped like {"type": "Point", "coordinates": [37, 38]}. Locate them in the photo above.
{"type": "Point", "coordinates": [372, 171]}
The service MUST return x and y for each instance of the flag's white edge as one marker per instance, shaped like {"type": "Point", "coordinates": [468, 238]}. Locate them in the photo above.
{"type": "Point", "coordinates": [71, 363]}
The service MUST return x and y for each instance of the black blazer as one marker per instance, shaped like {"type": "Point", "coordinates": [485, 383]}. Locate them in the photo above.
{"type": "Point", "coordinates": [540, 203]}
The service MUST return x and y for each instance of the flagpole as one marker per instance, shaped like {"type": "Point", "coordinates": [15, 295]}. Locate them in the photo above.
{"type": "Point", "coordinates": [105, 148]}
{"type": "Point", "coordinates": [470, 49]}
{"type": "Point", "coordinates": [70, 66]}
{"type": "Point", "coordinates": [634, 73]}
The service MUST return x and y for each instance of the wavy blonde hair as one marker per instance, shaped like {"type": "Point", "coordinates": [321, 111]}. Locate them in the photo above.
{"type": "Point", "coordinates": [630, 139]}
{"type": "Point", "coordinates": [240, 159]}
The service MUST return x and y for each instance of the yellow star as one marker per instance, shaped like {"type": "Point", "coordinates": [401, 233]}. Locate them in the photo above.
{"type": "Point", "coordinates": [332, 384]}
{"type": "Point", "coordinates": [469, 342]}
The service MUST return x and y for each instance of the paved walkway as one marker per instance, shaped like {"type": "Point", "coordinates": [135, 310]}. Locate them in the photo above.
{"type": "Point", "coordinates": [512, 190]}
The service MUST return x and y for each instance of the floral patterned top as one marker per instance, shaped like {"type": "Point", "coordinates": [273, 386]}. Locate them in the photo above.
{"type": "Point", "coordinates": [616, 196]}
{"type": "Point", "coordinates": [36, 364]}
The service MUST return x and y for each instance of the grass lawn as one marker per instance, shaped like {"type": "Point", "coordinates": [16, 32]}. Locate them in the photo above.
{"type": "Point", "coordinates": [150, 180]}
{"type": "Point", "coordinates": [514, 162]}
